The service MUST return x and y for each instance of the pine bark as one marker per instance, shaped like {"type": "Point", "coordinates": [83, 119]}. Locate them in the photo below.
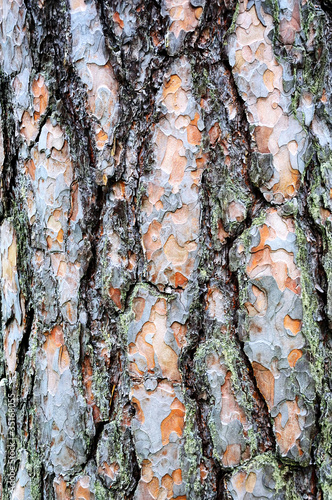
{"type": "Point", "coordinates": [165, 249]}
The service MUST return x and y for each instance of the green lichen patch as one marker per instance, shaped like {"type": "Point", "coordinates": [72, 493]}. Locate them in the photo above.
{"type": "Point", "coordinates": [192, 452]}
{"type": "Point", "coordinates": [19, 219]}
{"type": "Point", "coordinates": [115, 448]}
{"type": "Point", "coordinates": [35, 463]}
{"type": "Point", "coordinates": [273, 479]}
{"type": "Point", "coordinates": [224, 348]}
{"type": "Point", "coordinates": [310, 328]}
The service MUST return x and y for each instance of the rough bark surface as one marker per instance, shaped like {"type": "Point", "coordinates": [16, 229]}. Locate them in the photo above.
{"type": "Point", "coordinates": [165, 249]}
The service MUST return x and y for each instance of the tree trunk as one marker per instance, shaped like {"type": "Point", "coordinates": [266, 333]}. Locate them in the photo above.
{"type": "Point", "coordinates": [166, 249]}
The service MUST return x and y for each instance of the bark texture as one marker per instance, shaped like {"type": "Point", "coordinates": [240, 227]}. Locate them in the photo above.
{"type": "Point", "coordinates": [166, 249]}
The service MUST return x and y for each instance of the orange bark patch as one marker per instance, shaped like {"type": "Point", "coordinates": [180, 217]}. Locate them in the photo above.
{"type": "Point", "coordinates": [179, 333]}
{"type": "Point", "coordinates": [28, 127]}
{"type": "Point", "coordinates": [110, 471]}
{"type": "Point", "coordinates": [71, 313]}
{"type": "Point", "coordinates": [153, 487]}
{"type": "Point", "coordinates": [239, 61]}
{"type": "Point", "coordinates": [147, 472]}
{"type": "Point", "coordinates": [155, 192]}
{"type": "Point", "coordinates": [64, 359]}
{"type": "Point", "coordinates": [167, 358]}
{"type": "Point", "coordinates": [180, 280]}
{"type": "Point", "coordinates": [260, 304]}
{"type": "Point", "coordinates": [184, 17]}
{"type": "Point", "coordinates": [115, 294]}
{"type": "Point", "coordinates": [60, 236]}
{"type": "Point", "coordinates": [194, 135]}
{"type": "Point", "coordinates": [150, 342]}
{"type": "Point", "coordinates": [293, 285]}
{"type": "Point", "coordinates": [144, 493]}
{"type": "Point", "coordinates": [262, 135]}
{"type": "Point", "coordinates": [264, 234]}
{"type": "Point", "coordinates": [82, 489]}
{"type": "Point", "coordinates": [268, 79]}
{"type": "Point", "coordinates": [55, 339]}
{"type": "Point", "coordinates": [172, 162]}
{"type": "Point", "coordinates": [181, 215]}
{"type": "Point", "coordinates": [62, 491]}
{"type": "Point", "coordinates": [160, 307]}
{"type": "Point", "coordinates": [265, 382]}
{"type": "Point", "coordinates": [230, 409]}
{"type": "Point", "coordinates": [119, 190]}
{"type": "Point", "coordinates": [174, 422]}
{"type": "Point", "coordinates": [155, 39]}
{"type": "Point", "coordinates": [262, 257]}
{"type": "Point", "coordinates": [87, 380]}
{"type": "Point", "coordinates": [261, 300]}
{"type": "Point", "coordinates": [214, 133]}
{"type": "Point", "coordinates": [10, 357]}
{"type": "Point", "coordinates": [40, 93]}
{"type": "Point", "coordinates": [175, 254]}
{"type": "Point", "coordinates": [55, 342]}
{"type": "Point", "coordinates": [117, 19]}
{"type": "Point", "coordinates": [176, 102]}
{"type": "Point", "coordinates": [289, 178]}
{"type": "Point", "coordinates": [31, 169]}
{"type": "Point", "coordinates": [179, 164]}
{"type": "Point", "coordinates": [101, 139]}
{"type": "Point", "coordinates": [177, 476]}
{"type": "Point", "coordinates": [222, 235]}
{"type": "Point", "coordinates": [172, 85]}
{"type": "Point", "coordinates": [74, 202]}
{"type": "Point", "coordinates": [250, 482]}
{"type": "Point", "coordinates": [167, 483]}
{"type": "Point", "coordinates": [9, 265]}
{"type": "Point", "coordinates": [201, 164]}
{"type": "Point", "coordinates": [139, 412]}
{"type": "Point", "coordinates": [203, 472]}
{"type": "Point", "coordinates": [294, 325]}
{"type": "Point", "coordinates": [151, 239]}
{"type": "Point", "coordinates": [239, 482]}
{"type": "Point", "coordinates": [232, 455]}
{"type": "Point", "coordinates": [236, 211]}
{"type": "Point", "coordinates": [293, 357]}
{"type": "Point", "coordinates": [288, 436]}
{"type": "Point", "coordinates": [62, 269]}
{"type": "Point", "coordinates": [76, 4]}
{"type": "Point", "coordinates": [138, 307]}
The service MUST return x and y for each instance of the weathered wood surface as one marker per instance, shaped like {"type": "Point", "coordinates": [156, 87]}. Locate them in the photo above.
{"type": "Point", "coordinates": [165, 249]}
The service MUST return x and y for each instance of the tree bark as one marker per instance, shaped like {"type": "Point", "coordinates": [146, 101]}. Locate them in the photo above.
{"type": "Point", "coordinates": [165, 249]}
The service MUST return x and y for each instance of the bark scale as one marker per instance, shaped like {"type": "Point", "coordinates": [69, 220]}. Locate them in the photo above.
{"type": "Point", "coordinates": [165, 252]}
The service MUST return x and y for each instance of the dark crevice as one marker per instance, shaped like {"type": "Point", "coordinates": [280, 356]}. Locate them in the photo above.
{"type": "Point", "coordinates": [263, 414]}
{"type": "Point", "coordinates": [47, 483]}
{"type": "Point", "coordinates": [24, 345]}
{"type": "Point", "coordinates": [99, 427]}
{"type": "Point", "coordinates": [258, 203]}
{"type": "Point", "coordinates": [320, 280]}
{"type": "Point", "coordinates": [9, 170]}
